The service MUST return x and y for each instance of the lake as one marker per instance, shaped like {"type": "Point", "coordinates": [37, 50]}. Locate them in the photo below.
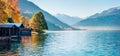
{"type": "Point", "coordinates": [69, 43]}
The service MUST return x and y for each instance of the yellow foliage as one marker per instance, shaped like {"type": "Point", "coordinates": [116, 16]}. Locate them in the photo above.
{"type": "Point", "coordinates": [25, 21]}
{"type": "Point", "coordinates": [32, 24]}
{"type": "Point", "coordinates": [8, 9]}
{"type": "Point", "coordinates": [3, 14]}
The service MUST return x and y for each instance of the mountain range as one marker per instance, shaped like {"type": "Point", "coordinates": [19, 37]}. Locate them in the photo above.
{"type": "Point", "coordinates": [110, 17]}
{"type": "Point", "coordinates": [28, 8]}
{"type": "Point", "coordinates": [70, 20]}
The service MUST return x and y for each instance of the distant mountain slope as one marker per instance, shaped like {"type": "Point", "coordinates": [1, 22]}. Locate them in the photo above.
{"type": "Point", "coordinates": [68, 19]}
{"type": "Point", "coordinates": [110, 17]}
{"type": "Point", "coordinates": [53, 26]}
{"type": "Point", "coordinates": [28, 8]}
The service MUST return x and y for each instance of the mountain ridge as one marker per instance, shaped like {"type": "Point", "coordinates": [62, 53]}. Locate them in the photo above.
{"type": "Point", "coordinates": [110, 17]}
{"type": "Point", "coordinates": [70, 20]}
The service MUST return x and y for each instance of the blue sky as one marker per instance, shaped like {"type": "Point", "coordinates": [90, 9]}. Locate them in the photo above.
{"type": "Point", "coordinates": [80, 8]}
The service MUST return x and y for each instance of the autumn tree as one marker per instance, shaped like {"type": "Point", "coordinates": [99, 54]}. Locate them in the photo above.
{"type": "Point", "coordinates": [9, 9]}
{"type": "Point", "coordinates": [25, 21]}
{"type": "Point", "coordinates": [3, 14]}
{"type": "Point", "coordinates": [38, 22]}
{"type": "Point", "coordinates": [12, 10]}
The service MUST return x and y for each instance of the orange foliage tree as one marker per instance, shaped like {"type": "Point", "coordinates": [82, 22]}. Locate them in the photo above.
{"type": "Point", "coordinates": [9, 9]}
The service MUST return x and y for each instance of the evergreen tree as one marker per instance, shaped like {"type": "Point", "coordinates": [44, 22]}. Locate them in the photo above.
{"type": "Point", "coordinates": [10, 20]}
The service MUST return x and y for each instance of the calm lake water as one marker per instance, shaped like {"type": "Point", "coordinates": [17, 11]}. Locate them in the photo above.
{"type": "Point", "coordinates": [69, 43]}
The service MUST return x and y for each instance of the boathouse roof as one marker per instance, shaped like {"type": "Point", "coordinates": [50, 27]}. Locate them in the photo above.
{"type": "Point", "coordinates": [10, 25]}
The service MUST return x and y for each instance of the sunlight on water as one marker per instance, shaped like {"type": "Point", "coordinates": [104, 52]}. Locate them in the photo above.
{"type": "Point", "coordinates": [82, 43]}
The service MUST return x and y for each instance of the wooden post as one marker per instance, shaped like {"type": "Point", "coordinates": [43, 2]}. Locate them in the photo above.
{"type": "Point", "coordinates": [9, 32]}
{"type": "Point", "coordinates": [9, 39]}
{"type": "Point", "coordinates": [12, 31]}
{"type": "Point", "coordinates": [19, 37]}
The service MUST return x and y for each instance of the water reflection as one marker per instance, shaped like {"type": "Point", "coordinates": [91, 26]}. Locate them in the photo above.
{"type": "Point", "coordinates": [9, 49]}
{"type": "Point", "coordinates": [32, 45]}
{"type": "Point", "coordinates": [28, 46]}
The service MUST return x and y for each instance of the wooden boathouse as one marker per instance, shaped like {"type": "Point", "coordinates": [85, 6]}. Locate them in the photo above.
{"type": "Point", "coordinates": [13, 31]}
{"type": "Point", "coordinates": [10, 29]}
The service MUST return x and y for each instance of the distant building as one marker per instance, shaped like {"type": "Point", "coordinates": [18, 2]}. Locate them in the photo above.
{"type": "Point", "coordinates": [26, 31]}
